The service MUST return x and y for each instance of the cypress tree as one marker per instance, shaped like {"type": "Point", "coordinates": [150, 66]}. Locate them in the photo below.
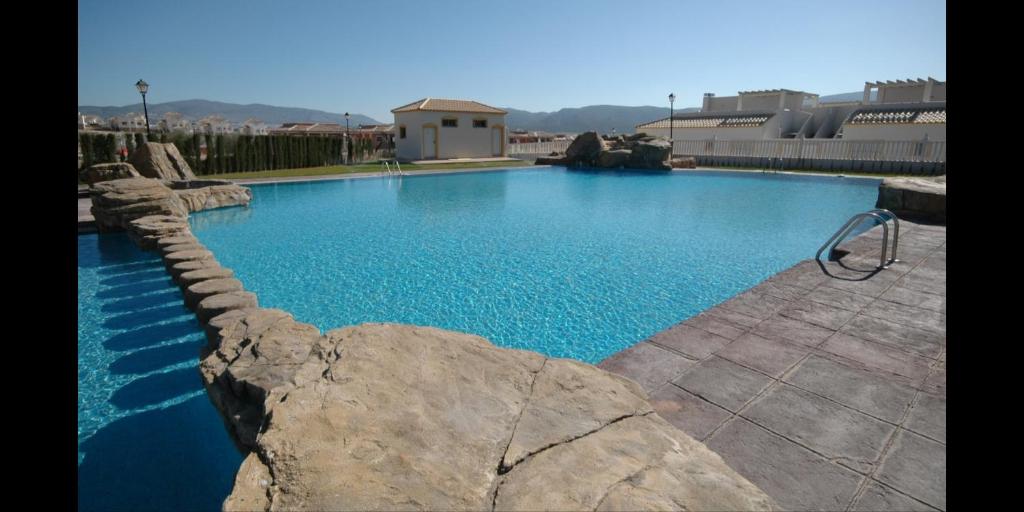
{"type": "Point", "coordinates": [129, 144]}
{"type": "Point", "coordinates": [85, 142]}
{"type": "Point", "coordinates": [163, 137]}
{"type": "Point", "coordinates": [140, 139]}
{"type": "Point", "coordinates": [220, 154]}
{"type": "Point", "coordinates": [152, 137]}
{"type": "Point", "coordinates": [196, 150]}
{"type": "Point", "coordinates": [209, 154]}
{"type": "Point", "coordinates": [110, 148]}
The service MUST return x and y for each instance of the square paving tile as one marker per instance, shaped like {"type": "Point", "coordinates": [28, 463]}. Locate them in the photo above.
{"type": "Point", "coordinates": [879, 498]}
{"type": "Point", "coordinates": [924, 343]}
{"type": "Point", "coordinates": [766, 355]}
{"type": "Point", "coordinates": [806, 274]}
{"type": "Point", "coordinates": [839, 298]}
{"type": "Point", "coordinates": [780, 290]}
{"type": "Point", "coordinates": [865, 391]}
{"type": "Point", "coordinates": [737, 319]}
{"type": "Point", "coordinates": [917, 318]}
{"type": "Point", "coordinates": [793, 331]}
{"type": "Point", "coordinates": [923, 283]}
{"type": "Point", "coordinates": [795, 477]}
{"type": "Point", "coordinates": [916, 466]}
{"type": "Point", "coordinates": [936, 383]}
{"type": "Point", "coordinates": [912, 368]}
{"type": "Point", "coordinates": [928, 417]}
{"type": "Point", "coordinates": [818, 314]}
{"type": "Point", "coordinates": [723, 382]}
{"type": "Point", "coordinates": [648, 365]}
{"type": "Point", "coordinates": [914, 298]}
{"type": "Point", "coordinates": [852, 439]}
{"type": "Point", "coordinates": [872, 286]}
{"type": "Point", "coordinates": [696, 343]}
{"type": "Point", "coordinates": [754, 305]}
{"type": "Point", "coordinates": [688, 412]}
{"type": "Point", "coordinates": [716, 326]}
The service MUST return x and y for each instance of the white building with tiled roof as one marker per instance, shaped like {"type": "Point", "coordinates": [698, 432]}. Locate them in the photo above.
{"type": "Point", "coordinates": [434, 128]}
{"type": "Point", "coordinates": [901, 110]}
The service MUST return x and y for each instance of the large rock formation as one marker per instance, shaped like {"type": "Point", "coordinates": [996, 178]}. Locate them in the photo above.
{"type": "Point", "coordinates": [116, 203]}
{"type": "Point", "coordinates": [213, 196]}
{"type": "Point", "coordinates": [162, 161]}
{"type": "Point", "coordinates": [639, 151]}
{"type": "Point", "coordinates": [914, 198]}
{"type": "Point", "coordinates": [387, 417]}
{"type": "Point", "coordinates": [106, 172]}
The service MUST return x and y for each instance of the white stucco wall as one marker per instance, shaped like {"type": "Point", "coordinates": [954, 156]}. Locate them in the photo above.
{"type": "Point", "coordinates": [720, 104]}
{"type": "Point", "coordinates": [901, 94]}
{"type": "Point", "coordinates": [910, 131]}
{"type": "Point", "coordinates": [463, 141]}
{"type": "Point", "coordinates": [743, 133]}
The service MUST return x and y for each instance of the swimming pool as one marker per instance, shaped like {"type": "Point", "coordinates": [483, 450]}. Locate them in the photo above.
{"type": "Point", "coordinates": [569, 263]}
{"type": "Point", "coordinates": [148, 437]}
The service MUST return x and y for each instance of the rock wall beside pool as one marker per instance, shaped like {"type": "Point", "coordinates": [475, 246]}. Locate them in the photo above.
{"type": "Point", "coordinates": [388, 416]}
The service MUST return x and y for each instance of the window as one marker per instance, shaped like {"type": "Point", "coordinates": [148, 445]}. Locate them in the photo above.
{"type": "Point", "coordinates": [401, 132]}
{"type": "Point", "coordinates": [479, 123]}
{"type": "Point", "coordinates": [450, 123]}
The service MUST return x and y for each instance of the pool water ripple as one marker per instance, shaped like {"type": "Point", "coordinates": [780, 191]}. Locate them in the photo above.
{"type": "Point", "coordinates": [571, 264]}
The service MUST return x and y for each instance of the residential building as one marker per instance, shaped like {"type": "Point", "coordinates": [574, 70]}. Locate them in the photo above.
{"type": "Point", "coordinates": [129, 122]}
{"type": "Point", "coordinates": [253, 126]}
{"type": "Point", "coordinates": [174, 122]}
{"type": "Point", "coordinates": [910, 110]}
{"type": "Point", "coordinates": [433, 128]}
{"type": "Point", "coordinates": [214, 124]}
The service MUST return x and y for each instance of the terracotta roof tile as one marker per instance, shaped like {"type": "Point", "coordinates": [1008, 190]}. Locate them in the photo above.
{"type": "Point", "coordinates": [442, 105]}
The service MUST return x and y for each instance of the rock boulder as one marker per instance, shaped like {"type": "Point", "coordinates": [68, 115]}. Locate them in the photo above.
{"type": "Point", "coordinates": [214, 196]}
{"type": "Point", "coordinates": [162, 161]}
{"type": "Point", "coordinates": [586, 148]}
{"type": "Point", "coordinates": [106, 172]}
{"type": "Point", "coordinates": [386, 417]}
{"type": "Point", "coordinates": [116, 203]}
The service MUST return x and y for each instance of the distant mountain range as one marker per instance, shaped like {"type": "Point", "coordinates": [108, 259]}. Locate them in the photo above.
{"type": "Point", "coordinates": [197, 109]}
{"type": "Point", "coordinates": [601, 118]}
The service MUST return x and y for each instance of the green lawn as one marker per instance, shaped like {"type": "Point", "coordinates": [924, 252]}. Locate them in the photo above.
{"type": "Point", "coordinates": [353, 169]}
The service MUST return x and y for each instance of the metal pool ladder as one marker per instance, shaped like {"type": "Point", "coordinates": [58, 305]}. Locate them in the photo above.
{"type": "Point", "coordinates": [386, 167]}
{"type": "Point", "coordinates": [882, 217]}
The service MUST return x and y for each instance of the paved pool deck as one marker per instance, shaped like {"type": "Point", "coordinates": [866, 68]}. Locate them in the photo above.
{"type": "Point", "coordinates": [825, 385]}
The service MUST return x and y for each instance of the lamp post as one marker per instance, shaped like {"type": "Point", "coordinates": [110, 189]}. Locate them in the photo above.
{"type": "Point", "coordinates": [671, 113]}
{"type": "Point", "coordinates": [142, 86]}
{"type": "Point", "coordinates": [348, 140]}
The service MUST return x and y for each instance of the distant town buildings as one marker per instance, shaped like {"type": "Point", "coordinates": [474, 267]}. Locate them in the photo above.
{"type": "Point", "coordinates": [905, 110]}
{"type": "Point", "coordinates": [433, 128]}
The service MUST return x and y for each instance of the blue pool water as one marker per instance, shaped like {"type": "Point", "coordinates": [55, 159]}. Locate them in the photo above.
{"type": "Point", "coordinates": [148, 437]}
{"type": "Point", "coordinates": [571, 264]}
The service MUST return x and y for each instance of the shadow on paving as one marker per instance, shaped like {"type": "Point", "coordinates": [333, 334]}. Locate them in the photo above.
{"type": "Point", "coordinates": [178, 458]}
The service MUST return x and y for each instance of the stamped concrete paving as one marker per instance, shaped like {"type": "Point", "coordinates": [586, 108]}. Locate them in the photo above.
{"type": "Point", "coordinates": [824, 385]}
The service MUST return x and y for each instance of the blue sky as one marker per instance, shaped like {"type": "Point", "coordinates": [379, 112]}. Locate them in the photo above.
{"type": "Point", "coordinates": [371, 56]}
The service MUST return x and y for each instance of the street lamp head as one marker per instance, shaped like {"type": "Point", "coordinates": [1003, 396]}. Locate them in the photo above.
{"type": "Point", "coordinates": [346, 115]}
{"type": "Point", "coordinates": [671, 97]}
{"type": "Point", "coordinates": [142, 86]}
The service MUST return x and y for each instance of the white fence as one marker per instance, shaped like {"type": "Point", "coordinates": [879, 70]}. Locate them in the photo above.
{"type": "Point", "coordinates": [812, 149]}
{"type": "Point", "coordinates": [538, 148]}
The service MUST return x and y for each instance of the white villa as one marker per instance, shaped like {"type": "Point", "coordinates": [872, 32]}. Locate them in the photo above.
{"type": "Point", "coordinates": [434, 128]}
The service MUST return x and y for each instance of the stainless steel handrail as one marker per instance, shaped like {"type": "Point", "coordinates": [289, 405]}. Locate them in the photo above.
{"type": "Point", "coordinates": [854, 221]}
{"type": "Point", "coordinates": [895, 234]}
